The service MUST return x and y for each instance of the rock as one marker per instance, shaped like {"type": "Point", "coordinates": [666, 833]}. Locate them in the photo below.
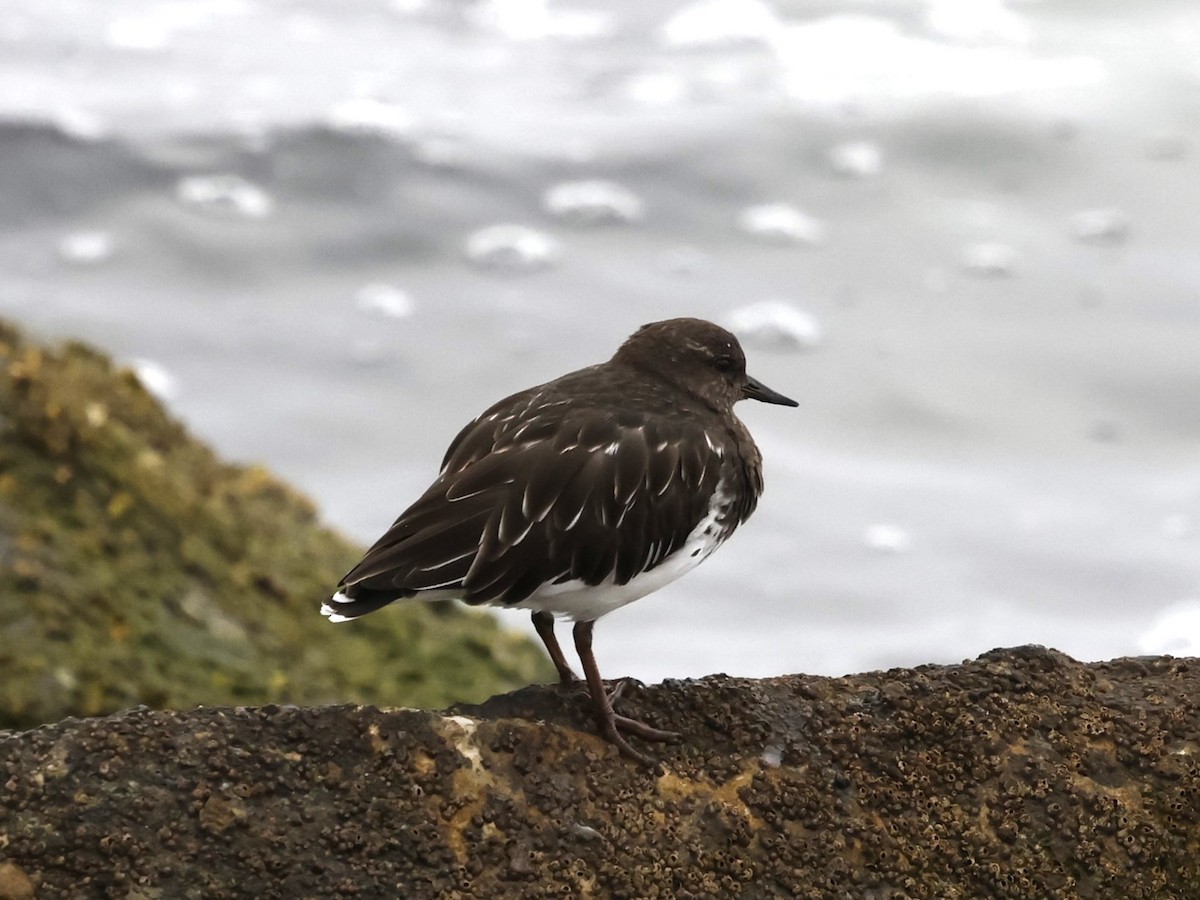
{"type": "Point", "coordinates": [137, 568]}
{"type": "Point", "coordinates": [14, 883]}
{"type": "Point", "coordinates": [1020, 774]}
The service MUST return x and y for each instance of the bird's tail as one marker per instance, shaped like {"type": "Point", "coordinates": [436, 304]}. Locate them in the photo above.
{"type": "Point", "coordinates": [342, 608]}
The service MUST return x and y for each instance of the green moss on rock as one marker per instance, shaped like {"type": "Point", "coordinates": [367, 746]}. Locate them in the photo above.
{"type": "Point", "coordinates": [137, 568]}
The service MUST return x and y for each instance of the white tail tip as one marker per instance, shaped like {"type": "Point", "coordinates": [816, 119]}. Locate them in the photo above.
{"type": "Point", "coordinates": [331, 613]}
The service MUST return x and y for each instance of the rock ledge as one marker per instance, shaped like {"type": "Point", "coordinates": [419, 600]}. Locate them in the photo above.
{"type": "Point", "coordinates": [1020, 774]}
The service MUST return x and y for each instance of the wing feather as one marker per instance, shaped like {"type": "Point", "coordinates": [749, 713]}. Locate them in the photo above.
{"type": "Point", "coordinates": [631, 465]}
{"type": "Point", "coordinates": [522, 501]}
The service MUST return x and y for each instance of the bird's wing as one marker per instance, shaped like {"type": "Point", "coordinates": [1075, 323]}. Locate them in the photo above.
{"type": "Point", "coordinates": [580, 497]}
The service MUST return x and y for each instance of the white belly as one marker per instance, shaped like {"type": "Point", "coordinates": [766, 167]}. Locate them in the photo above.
{"type": "Point", "coordinates": [581, 602]}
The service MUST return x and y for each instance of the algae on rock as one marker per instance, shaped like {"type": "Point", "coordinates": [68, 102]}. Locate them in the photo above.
{"type": "Point", "coordinates": [137, 568]}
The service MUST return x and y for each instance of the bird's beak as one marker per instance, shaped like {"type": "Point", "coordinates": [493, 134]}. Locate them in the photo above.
{"type": "Point", "coordinates": [756, 390]}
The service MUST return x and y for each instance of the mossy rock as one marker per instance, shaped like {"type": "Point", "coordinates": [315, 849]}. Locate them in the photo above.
{"type": "Point", "coordinates": [137, 568]}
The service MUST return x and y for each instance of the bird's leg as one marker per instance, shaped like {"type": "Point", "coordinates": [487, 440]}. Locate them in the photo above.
{"type": "Point", "coordinates": [543, 623]}
{"type": "Point", "coordinates": [610, 724]}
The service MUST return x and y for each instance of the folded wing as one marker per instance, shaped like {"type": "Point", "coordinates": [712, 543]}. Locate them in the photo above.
{"type": "Point", "coordinates": [524, 501]}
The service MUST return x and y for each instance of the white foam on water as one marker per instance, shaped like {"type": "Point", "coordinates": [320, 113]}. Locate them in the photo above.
{"type": "Point", "coordinates": [527, 20]}
{"type": "Point", "coordinates": [512, 248]}
{"type": "Point", "coordinates": [80, 124]}
{"type": "Point", "coordinates": [656, 88]}
{"type": "Point", "coordinates": [991, 259]}
{"type": "Point", "coordinates": [718, 22]}
{"type": "Point", "coordinates": [86, 248]}
{"type": "Point", "coordinates": [384, 300]}
{"type": "Point", "coordinates": [842, 58]}
{"type": "Point", "coordinates": [886, 537]}
{"type": "Point", "coordinates": [1100, 226]}
{"type": "Point", "coordinates": [856, 159]}
{"type": "Point", "coordinates": [366, 115]}
{"type": "Point", "coordinates": [775, 325]}
{"type": "Point", "coordinates": [225, 195]}
{"type": "Point", "coordinates": [781, 223]}
{"type": "Point", "coordinates": [977, 21]}
{"type": "Point", "coordinates": [593, 202]}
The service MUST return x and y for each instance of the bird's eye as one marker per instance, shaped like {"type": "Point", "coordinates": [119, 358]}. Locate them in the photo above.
{"type": "Point", "coordinates": [723, 364]}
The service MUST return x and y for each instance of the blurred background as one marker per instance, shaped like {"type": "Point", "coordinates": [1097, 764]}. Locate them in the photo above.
{"type": "Point", "coordinates": [965, 235]}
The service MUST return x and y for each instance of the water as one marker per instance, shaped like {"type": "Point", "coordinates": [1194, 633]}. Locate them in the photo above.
{"type": "Point", "coordinates": [962, 234]}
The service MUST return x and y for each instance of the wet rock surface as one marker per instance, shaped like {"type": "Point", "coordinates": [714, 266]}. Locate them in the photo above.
{"type": "Point", "coordinates": [1020, 774]}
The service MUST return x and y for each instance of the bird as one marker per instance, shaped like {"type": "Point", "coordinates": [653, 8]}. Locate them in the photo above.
{"type": "Point", "coordinates": [576, 497]}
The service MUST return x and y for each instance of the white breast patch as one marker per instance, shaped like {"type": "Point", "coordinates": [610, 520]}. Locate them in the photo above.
{"type": "Point", "coordinates": [581, 602]}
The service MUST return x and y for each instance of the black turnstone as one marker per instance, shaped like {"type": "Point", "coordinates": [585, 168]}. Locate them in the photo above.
{"type": "Point", "coordinates": [580, 495]}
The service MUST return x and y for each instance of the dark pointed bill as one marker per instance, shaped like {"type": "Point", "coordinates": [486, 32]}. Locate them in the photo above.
{"type": "Point", "coordinates": [756, 390]}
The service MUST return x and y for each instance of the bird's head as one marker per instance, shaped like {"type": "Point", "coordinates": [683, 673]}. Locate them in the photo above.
{"type": "Point", "coordinates": [700, 357]}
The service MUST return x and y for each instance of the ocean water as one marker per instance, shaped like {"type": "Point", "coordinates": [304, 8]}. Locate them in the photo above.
{"type": "Point", "coordinates": [964, 234]}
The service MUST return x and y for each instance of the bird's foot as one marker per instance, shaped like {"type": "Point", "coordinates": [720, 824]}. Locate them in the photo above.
{"type": "Point", "coordinates": [644, 731]}
{"type": "Point", "coordinates": [614, 694]}
{"type": "Point", "coordinates": [618, 723]}
{"type": "Point", "coordinates": [618, 689]}
{"type": "Point", "coordinates": [612, 733]}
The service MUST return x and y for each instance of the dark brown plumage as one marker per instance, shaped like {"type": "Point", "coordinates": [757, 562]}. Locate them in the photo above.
{"type": "Point", "coordinates": [582, 494]}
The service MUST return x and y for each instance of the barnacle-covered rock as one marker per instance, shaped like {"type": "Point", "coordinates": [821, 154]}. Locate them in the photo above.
{"type": "Point", "coordinates": [1022, 774]}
